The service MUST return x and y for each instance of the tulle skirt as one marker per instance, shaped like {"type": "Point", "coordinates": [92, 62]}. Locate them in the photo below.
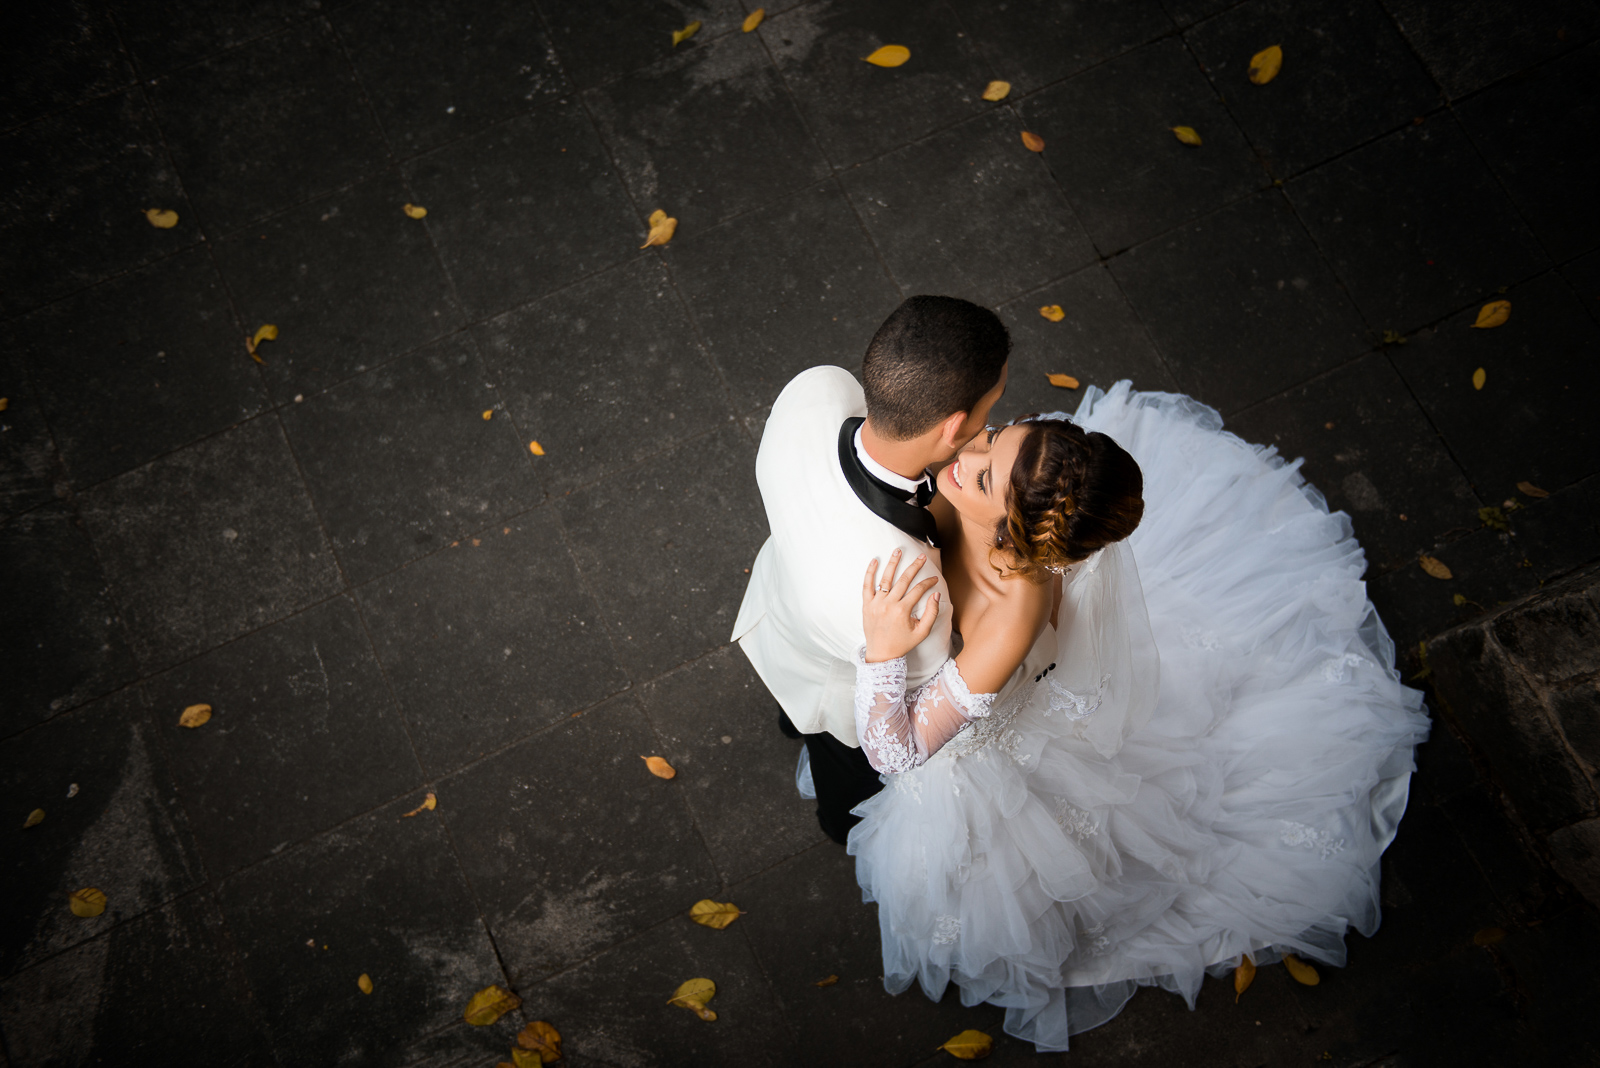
{"type": "Point", "coordinates": [1246, 816]}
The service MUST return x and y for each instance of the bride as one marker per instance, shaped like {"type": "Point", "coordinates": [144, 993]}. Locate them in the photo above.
{"type": "Point", "coordinates": [1208, 770]}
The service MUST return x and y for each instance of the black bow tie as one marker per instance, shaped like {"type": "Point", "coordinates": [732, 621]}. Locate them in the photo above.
{"type": "Point", "coordinates": [924, 495]}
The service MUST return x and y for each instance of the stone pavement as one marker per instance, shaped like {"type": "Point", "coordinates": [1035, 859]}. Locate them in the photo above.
{"type": "Point", "coordinates": [383, 595]}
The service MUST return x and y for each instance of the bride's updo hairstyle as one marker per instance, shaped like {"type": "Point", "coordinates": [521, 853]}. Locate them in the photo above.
{"type": "Point", "coordinates": [1072, 493]}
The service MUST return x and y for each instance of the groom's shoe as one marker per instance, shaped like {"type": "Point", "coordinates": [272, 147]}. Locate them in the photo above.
{"type": "Point", "coordinates": [786, 725]}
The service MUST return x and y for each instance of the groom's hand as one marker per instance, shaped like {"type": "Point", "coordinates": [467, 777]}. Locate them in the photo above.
{"type": "Point", "coordinates": [891, 630]}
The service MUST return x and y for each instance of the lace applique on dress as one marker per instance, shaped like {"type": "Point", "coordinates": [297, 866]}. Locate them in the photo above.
{"type": "Point", "coordinates": [900, 731]}
{"type": "Point", "coordinates": [1095, 940]}
{"type": "Point", "coordinates": [1333, 669]}
{"type": "Point", "coordinates": [1298, 834]}
{"type": "Point", "coordinates": [946, 930]}
{"type": "Point", "coordinates": [1075, 706]}
{"type": "Point", "coordinates": [1075, 821]}
{"type": "Point", "coordinates": [1197, 637]}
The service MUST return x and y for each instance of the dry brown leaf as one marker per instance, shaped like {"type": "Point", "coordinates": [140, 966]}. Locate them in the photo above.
{"type": "Point", "coordinates": [429, 803]}
{"type": "Point", "coordinates": [87, 902]}
{"type": "Point", "coordinates": [889, 56]}
{"type": "Point", "coordinates": [535, 448]}
{"type": "Point", "coordinates": [1064, 381]}
{"type": "Point", "coordinates": [1032, 141]}
{"type": "Point", "coordinates": [505, 1064]}
{"type": "Point", "coordinates": [659, 767]}
{"type": "Point", "coordinates": [5, 402]}
{"type": "Point", "coordinates": [969, 1046]}
{"type": "Point", "coordinates": [680, 36]}
{"type": "Point", "coordinates": [489, 1004]}
{"type": "Point", "coordinates": [1493, 314]}
{"type": "Point", "coordinates": [752, 20]}
{"type": "Point", "coordinates": [1243, 976]}
{"type": "Point", "coordinates": [35, 818]}
{"type": "Point", "coordinates": [829, 981]}
{"type": "Point", "coordinates": [195, 716]}
{"type": "Point", "coordinates": [1053, 312]}
{"type": "Point", "coordinates": [1489, 936]}
{"type": "Point", "coordinates": [414, 211]}
{"type": "Point", "coordinates": [526, 1058]}
{"type": "Point", "coordinates": [542, 1038]}
{"type": "Point", "coordinates": [1435, 567]}
{"type": "Point", "coordinates": [997, 90]}
{"type": "Point", "coordinates": [1479, 377]}
{"type": "Point", "coordinates": [161, 219]}
{"type": "Point", "coordinates": [1300, 971]}
{"type": "Point", "coordinates": [365, 983]}
{"type": "Point", "coordinates": [662, 227]}
{"type": "Point", "coordinates": [714, 914]}
{"type": "Point", "coordinates": [1528, 489]}
{"type": "Point", "coordinates": [1265, 64]}
{"type": "Point", "coordinates": [1186, 134]}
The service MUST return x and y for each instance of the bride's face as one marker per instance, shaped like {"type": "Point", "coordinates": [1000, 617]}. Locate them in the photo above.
{"type": "Point", "coordinates": [979, 481]}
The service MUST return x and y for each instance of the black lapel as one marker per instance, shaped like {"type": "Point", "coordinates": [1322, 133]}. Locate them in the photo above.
{"type": "Point", "coordinates": [917, 522]}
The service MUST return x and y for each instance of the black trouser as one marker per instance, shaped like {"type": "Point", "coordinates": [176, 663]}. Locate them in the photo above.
{"type": "Point", "coordinates": [842, 776]}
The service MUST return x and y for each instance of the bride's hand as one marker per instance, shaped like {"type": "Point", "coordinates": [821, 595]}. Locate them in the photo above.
{"type": "Point", "coordinates": [886, 609]}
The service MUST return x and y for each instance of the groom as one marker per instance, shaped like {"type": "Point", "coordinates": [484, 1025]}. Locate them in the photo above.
{"type": "Point", "coordinates": [844, 477]}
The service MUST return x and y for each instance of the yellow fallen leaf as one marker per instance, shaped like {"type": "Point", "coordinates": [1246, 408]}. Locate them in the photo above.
{"type": "Point", "coordinates": [1435, 567]}
{"type": "Point", "coordinates": [87, 902]}
{"type": "Point", "coordinates": [969, 1046]}
{"type": "Point", "coordinates": [1479, 377]}
{"type": "Point", "coordinates": [522, 1058]}
{"type": "Point", "coordinates": [1053, 312]}
{"type": "Point", "coordinates": [35, 818]}
{"type": "Point", "coordinates": [5, 402]}
{"type": "Point", "coordinates": [1243, 976]}
{"type": "Point", "coordinates": [489, 1004]}
{"type": "Point", "coordinates": [1265, 64]}
{"type": "Point", "coordinates": [429, 803]}
{"type": "Point", "coordinates": [1530, 490]}
{"type": "Point", "coordinates": [413, 211]}
{"type": "Point", "coordinates": [658, 767]}
{"type": "Point", "coordinates": [488, 413]}
{"type": "Point", "coordinates": [535, 448]}
{"type": "Point", "coordinates": [1493, 314]}
{"type": "Point", "coordinates": [997, 90]}
{"type": "Point", "coordinates": [1032, 141]}
{"type": "Point", "coordinates": [1488, 936]}
{"type": "Point", "coordinates": [1186, 134]}
{"type": "Point", "coordinates": [1064, 381]}
{"type": "Point", "coordinates": [662, 227]}
{"type": "Point", "coordinates": [693, 995]}
{"type": "Point", "coordinates": [542, 1038]}
{"type": "Point", "coordinates": [365, 983]}
{"type": "Point", "coordinates": [1458, 599]}
{"type": "Point", "coordinates": [714, 914]}
{"type": "Point", "coordinates": [1300, 971]}
{"type": "Point", "coordinates": [161, 219]}
{"type": "Point", "coordinates": [752, 20]}
{"type": "Point", "coordinates": [195, 716]}
{"type": "Point", "coordinates": [889, 56]}
{"type": "Point", "coordinates": [829, 981]}
{"type": "Point", "coordinates": [680, 36]}
{"type": "Point", "coordinates": [266, 333]}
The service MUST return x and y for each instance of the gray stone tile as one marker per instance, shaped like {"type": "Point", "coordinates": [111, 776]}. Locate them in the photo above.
{"type": "Point", "coordinates": [139, 366]}
{"type": "Point", "coordinates": [1561, 533]}
{"type": "Point", "coordinates": [1523, 887]}
{"type": "Point", "coordinates": [164, 988]}
{"type": "Point", "coordinates": [788, 287]}
{"type": "Point", "coordinates": [78, 184]}
{"type": "Point", "coordinates": [969, 213]}
{"type": "Point", "coordinates": [664, 547]}
{"type": "Point", "coordinates": [489, 640]}
{"type": "Point", "coordinates": [601, 390]}
{"type": "Point", "coordinates": [1484, 569]}
{"type": "Point", "coordinates": [380, 896]}
{"type": "Point", "coordinates": [58, 55]}
{"type": "Point", "coordinates": [1470, 44]}
{"type": "Point", "coordinates": [1525, 127]}
{"type": "Point", "coordinates": [857, 110]}
{"type": "Point", "coordinates": [1100, 341]}
{"type": "Point", "coordinates": [1031, 43]}
{"type": "Point", "coordinates": [400, 460]}
{"type": "Point", "coordinates": [209, 542]}
{"type": "Point", "coordinates": [707, 133]}
{"type": "Point", "coordinates": [292, 703]}
{"type": "Point", "coordinates": [1390, 218]}
{"type": "Point", "coordinates": [123, 831]}
{"type": "Point", "coordinates": [61, 640]}
{"type": "Point", "coordinates": [572, 845]}
{"type": "Point", "coordinates": [277, 121]}
{"type": "Point", "coordinates": [1540, 376]}
{"type": "Point", "coordinates": [719, 727]}
{"type": "Point", "coordinates": [30, 469]}
{"type": "Point", "coordinates": [1188, 12]}
{"type": "Point", "coordinates": [435, 72]}
{"type": "Point", "coordinates": [163, 34]}
{"type": "Point", "coordinates": [524, 208]}
{"type": "Point", "coordinates": [1241, 303]}
{"type": "Point", "coordinates": [599, 40]}
{"type": "Point", "coordinates": [348, 280]}
{"type": "Point", "coordinates": [1108, 139]}
{"type": "Point", "coordinates": [1372, 452]}
{"type": "Point", "coordinates": [1554, 963]}
{"type": "Point", "coordinates": [1348, 76]}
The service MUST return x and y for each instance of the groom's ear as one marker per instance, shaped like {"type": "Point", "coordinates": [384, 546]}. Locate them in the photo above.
{"type": "Point", "coordinates": [950, 430]}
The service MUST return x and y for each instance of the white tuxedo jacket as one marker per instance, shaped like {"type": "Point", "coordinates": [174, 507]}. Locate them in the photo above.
{"type": "Point", "coordinates": [800, 623]}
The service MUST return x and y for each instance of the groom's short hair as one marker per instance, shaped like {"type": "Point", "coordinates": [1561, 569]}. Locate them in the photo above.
{"type": "Point", "coordinates": [933, 357]}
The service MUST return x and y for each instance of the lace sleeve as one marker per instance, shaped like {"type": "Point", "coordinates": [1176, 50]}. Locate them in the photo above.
{"type": "Point", "coordinates": [899, 731]}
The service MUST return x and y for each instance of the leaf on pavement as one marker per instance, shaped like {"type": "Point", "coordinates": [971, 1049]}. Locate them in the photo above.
{"type": "Point", "coordinates": [659, 767]}
{"type": "Point", "coordinates": [969, 1046]}
{"type": "Point", "coordinates": [365, 983]}
{"type": "Point", "coordinates": [693, 995]}
{"type": "Point", "coordinates": [1300, 971]}
{"type": "Point", "coordinates": [35, 818]}
{"type": "Point", "coordinates": [889, 56]}
{"type": "Point", "coordinates": [1186, 134]}
{"type": "Point", "coordinates": [87, 902]}
{"type": "Point", "coordinates": [489, 1004]}
{"type": "Point", "coordinates": [1434, 567]}
{"type": "Point", "coordinates": [680, 36]}
{"type": "Point", "coordinates": [1479, 377]}
{"type": "Point", "coordinates": [1530, 490]}
{"type": "Point", "coordinates": [266, 333]}
{"type": "Point", "coordinates": [1243, 976]}
{"type": "Point", "coordinates": [195, 716]}
{"type": "Point", "coordinates": [1053, 312]}
{"type": "Point", "coordinates": [429, 803]}
{"type": "Point", "coordinates": [535, 448]}
{"type": "Point", "coordinates": [752, 20]}
{"type": "Point", "coordinates": [714, 914]}
{"type": "Point", "coordinates": [488, 413]}
{"type": "Point", "coordinates": [526, 1058]}
{"type": "Point", "coordinates": [662, 227]}
{"type": "Point", "coordinates": [1458, 599]}
{"type": "Point", "coordinates": [413, 211]}
{"type": "Point", "coordinates": [829, 981]}
{"type": "Point", "coordinates": [1493, 517]}
{"type": "Point", "coordinates": [997, 90]}
{"type": "Point", "coordinates": [1064, 381]}
{"type": "Point", "coordinates": [1032, 141]}
{"type": "Point", "coordinates": [542, 1038]}
{"type": "Point", "coordinates": [161, 219]}
{"type": "Point", "coordinates": [1265, 64]}
{"type": "Point", "coordinates": [1493, 314]}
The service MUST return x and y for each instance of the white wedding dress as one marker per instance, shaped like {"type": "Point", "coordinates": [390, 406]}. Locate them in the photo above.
{"type": "Point", "coordinates": [1216, 779]}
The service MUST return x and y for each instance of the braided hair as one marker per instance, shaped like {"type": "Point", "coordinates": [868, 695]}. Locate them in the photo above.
{"type": "Point", "coordinates": [1072, 493]}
